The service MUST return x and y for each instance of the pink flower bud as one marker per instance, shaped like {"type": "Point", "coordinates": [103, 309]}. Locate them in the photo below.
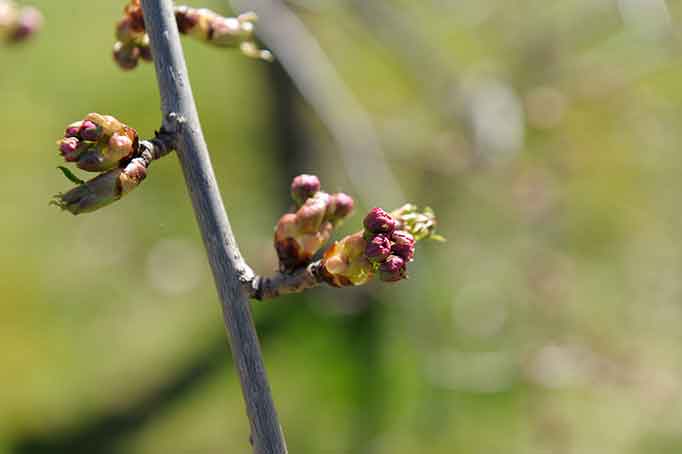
{"type": "Point", "coordinates": [341, 206]}
{"type": "Point", "coordinates": [30, 21]}
{"type": "Point", "coordinates": [403, 245]}
{"type": "Point", "coordinates": [303, 187]}
{"type": "Point", "coordinates": [90, 131]}
{"type": "Point", "coordinates": [311, 215]}
{"type": "Point", "coordinates": [378, 248]}
{"type": "Point", "coordinates": [68, 148]}
{"type": "Point", "coordinates": [379, 221]}
{"type": "Point", "coordinates": [392, 269]}
{"type": "Point", "coordinates": [73, 129]}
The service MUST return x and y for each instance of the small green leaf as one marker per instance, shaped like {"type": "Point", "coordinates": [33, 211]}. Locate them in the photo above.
{"type": "Point", "coordinates": [70, 175]}
{"type": "Point", "coordinates": [437, 237]}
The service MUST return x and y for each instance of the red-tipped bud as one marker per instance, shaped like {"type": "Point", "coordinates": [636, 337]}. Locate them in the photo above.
{"type": "Point", "coordinates": [340, 206]}
{"type": "Point", "coordinates": [68, 148]}
{"type": "Point", "coordinates": [392, 269]}
{"type": "Point", "coordinates": [90, 131]}
{"type": "Point", "coordinates": [378, 248]}
{"type": "Point", "coordinates": [403, 245]}
{"type": "Point", "coordinates": [379, 221]}
{"type": "Point", "coordinates": [73, 129]}
{"type": "Point", "coordinates": [303, 187]}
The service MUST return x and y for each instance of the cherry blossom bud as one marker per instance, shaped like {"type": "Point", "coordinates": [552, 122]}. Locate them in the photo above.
{"type": "Point", "coordinates": [303, 187]}
{"type": "Point", "coordinates": [379, 221]}
{"type": "Point", "coordinates": [29, 22]}
{"type": "Point", "coordinates": [69, 148]}
{"type": "Point", "coordinates": [403, 245]}
{"type": "Point", "coordinates": [90, 131]}
{"type": "Point", "coordinates": [378, 248]}
{"type": "Point", "coordinates": [392, 269]}
{"type": "Point", "coordinates": [120, 146]}
{"type": "Point", "coordinates": [73, 129]}
{"type": "Point", "coordinates": [126, 55]}
{"type": "Point", "coordinates": [341, 206]}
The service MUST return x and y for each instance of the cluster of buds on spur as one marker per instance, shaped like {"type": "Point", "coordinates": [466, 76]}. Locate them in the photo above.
{"type": "Point", "coordinates": [384, 247]}
{"type": "Point", "coordinates": [133, 43]}
{"type": "Point", "coordinates": [300, 235]}
{"type": "Point", "coordinates": [100, 143]}
{"type": "Point", "coordinates": [18, 24]}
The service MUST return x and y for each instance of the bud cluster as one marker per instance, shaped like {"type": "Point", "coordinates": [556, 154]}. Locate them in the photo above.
{"type": "Point", "coordinates": [100, 143]}
{"type": "Point", "coordinates": [18, 24]}
{"type": "Point", "coordinates": [300, 235]}
{"type": "Point", "coordinates": [133, 43]}
{"type": "Point", "coordinates": [380, 248]}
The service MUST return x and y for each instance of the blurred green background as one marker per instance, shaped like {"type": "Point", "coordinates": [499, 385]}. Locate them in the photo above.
{"type": "Point", "coordinates": [546, 135]}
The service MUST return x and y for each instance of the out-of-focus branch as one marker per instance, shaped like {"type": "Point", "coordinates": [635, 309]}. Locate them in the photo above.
{"type": "Point", "coordinates": [338, 109]}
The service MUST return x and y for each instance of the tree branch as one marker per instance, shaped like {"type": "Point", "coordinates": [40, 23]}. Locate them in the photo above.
{"type": "Point", "coordinates": [228, 266]}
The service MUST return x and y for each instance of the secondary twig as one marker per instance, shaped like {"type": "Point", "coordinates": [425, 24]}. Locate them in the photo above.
{"type": "Point", "coordinates": [229, 268]}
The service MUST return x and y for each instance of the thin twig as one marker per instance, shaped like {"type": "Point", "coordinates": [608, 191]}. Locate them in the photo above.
{"type": "Point", "coordinates": [228, 266]}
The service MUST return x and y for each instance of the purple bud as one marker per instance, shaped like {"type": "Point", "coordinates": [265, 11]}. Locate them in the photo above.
{"type": "Point", "coordinates": [392, 269]}
{"type": "Point", "coordinates": [403, 245]}
{"type": "Point", "coordinates": [303, 187]}
{"type": "Point", "coordinates": [73, 129]}
{"type": "Point", "coordinates": [379, 221]}
{"type": "Point", "coordinates": [341, 206]}
{"type": "Point", "coordinates": [90, 131]}
{"type": "Point", "coordinates": [378, 248]}
{"type": "Point", "coordinates": [68, 147]}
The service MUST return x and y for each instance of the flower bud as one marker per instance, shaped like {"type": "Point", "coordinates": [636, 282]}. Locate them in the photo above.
{"type": "Point", "coordinates": [71, 148]}
{"type": "Point", "coordinates": [303, 187]}
{"type": "Point", "coordinates": [378, 248]}
{"type": "Point", "coordinates": [73, 129]}
{"type": "Point", "coordinates": [109, 124]}
{"type": "Point", "coordinates": [186, 18]}
{"type": "Point", "coordinates": [29, 22]}
{"type": "Point", "coordinates": [294, 247]}
{"type": "Point", "coordinates": [379, 221]}
{"type": "Point", "coordinates": [126, 55]}
{"type": "Point", "coordinates": [340, 206]}
{"type": "Point", "coordinates": [392, 269]}
{"type": "Point", "coordinates": [90, 131]}
{"type": "Point", "coordinates": [403, 245]}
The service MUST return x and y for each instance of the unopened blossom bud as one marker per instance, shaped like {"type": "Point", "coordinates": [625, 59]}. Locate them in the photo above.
{"type": "Point", "coordinates": [109, 124]}
{"type": "Point", "coordinates": [303, 187]}
{"type": "Point", "coordinates": [392, 269]}
{"type": "Point", "coordinates": [379, 221]}
{"type": "Point", "coordinates": [294, 247]}
{"type": "Point", "coordinates": [69, 147]}
{"type": "Point", "coordinates": [340, 206]}
{"type": "Point", "coordinates": [311, 215]}
{"type": "Point", "coordinates": [126, 55]}
{"type": "Point", "coordinates": [29, 22]}
{"type": "Point", "coordinates": [187, 18]}
{"type": "Point", "coordinates": [90, 131]}
{"type": "Point", "coordinates": [73, 129]}
{"type": "Point", "coordinates": [378, 248]}
{"type": "Point", "coordinates": [403, 245]}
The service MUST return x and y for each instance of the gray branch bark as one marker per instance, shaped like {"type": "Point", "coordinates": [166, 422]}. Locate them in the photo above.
{"type": "Point", "coordinates": [229, 268]}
